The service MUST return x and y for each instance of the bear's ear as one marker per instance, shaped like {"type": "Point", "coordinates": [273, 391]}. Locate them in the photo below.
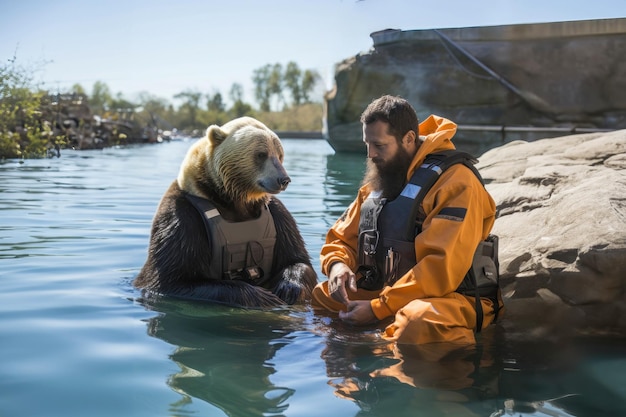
{"type": "Point", "coordinates": [215, 135]}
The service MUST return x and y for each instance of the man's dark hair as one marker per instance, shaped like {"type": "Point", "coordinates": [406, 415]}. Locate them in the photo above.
{"type": "Point", "coordinates": [395, 111]}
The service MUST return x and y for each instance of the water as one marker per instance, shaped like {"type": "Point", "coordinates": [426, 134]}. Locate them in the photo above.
{"type": "Point", "coordinates": [77, 340]}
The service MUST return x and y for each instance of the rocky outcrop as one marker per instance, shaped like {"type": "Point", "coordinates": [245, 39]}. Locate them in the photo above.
{"type": "Point", "coordinates": [562, 227]}
{"type": "Point", "coordinates": [498, 83]}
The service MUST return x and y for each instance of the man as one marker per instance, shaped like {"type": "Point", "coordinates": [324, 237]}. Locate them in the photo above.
{"type": "Point", "coordinates": [367, 281]}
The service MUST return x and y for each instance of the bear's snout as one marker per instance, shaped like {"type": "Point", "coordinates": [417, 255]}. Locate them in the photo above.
{"type": "Point", "coordinates": [284, 182]}
{"type": "Point", "coordinates": [274, 178]}
{"type": "Point", "coordinates": [276, 187]}
{"type": "Point", "coordinates": [276, 184]}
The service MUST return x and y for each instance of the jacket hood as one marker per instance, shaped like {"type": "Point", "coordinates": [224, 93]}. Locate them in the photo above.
{"type": "Point", "coordinates": [435, 135]}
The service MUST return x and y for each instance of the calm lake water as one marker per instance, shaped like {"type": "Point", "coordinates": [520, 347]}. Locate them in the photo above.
{"type": "Point", "coordinates": [77, 340]}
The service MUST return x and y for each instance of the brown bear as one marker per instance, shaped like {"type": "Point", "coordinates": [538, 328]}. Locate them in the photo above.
{"type": "Point", "coordinates": [220, 234]}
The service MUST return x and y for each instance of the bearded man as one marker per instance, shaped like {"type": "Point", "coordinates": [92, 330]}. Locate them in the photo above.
{"type": "Point", "coordinates": [415, 282]}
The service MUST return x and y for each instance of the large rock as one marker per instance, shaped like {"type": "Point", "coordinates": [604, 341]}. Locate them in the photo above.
{"type": "Point", "coordinates": [498, 83]}
{"type": "Point", "coordinates": [562, 227]}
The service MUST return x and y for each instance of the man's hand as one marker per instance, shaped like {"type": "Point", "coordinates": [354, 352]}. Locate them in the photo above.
{"type": "Point", "coordinates": [359, 313]}
{"type": "Point", "coordinates": [340, 275]}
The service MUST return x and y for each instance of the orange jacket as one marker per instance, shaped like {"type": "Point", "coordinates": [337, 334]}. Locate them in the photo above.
{"type": "Point", "coordinates": [445, 247]}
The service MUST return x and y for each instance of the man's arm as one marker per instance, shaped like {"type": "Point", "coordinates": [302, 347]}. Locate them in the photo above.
{"type": "Point", "coordinates": [342, 238]}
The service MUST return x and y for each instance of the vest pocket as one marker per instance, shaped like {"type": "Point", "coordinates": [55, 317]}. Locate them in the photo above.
{"type": "Point", "coordinates": [485, 270]}
{"type": "Point", "coordinates": [398, 258]}
{"type": "Point", "coordinates": [240, 257]}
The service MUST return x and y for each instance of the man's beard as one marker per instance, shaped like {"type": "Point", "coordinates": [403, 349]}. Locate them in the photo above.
{"type": "Point", "coordinates": [389, 177]}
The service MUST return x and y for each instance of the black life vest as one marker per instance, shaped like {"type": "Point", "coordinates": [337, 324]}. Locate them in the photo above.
{"type": "Point", "coordinates": [387, 230]}
{"type": "Point", "coordinates": [239, 250]}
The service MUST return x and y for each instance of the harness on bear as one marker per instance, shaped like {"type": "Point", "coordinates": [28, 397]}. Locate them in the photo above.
{"type": "Point", "coordinates": [239, 250]}
{"type": "Point", "coordinates": [387, 231]}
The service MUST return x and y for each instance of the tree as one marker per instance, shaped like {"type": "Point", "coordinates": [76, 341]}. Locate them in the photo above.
{"type": "Point", "coordinates": [271, 81]}
{"type": "Point", "coordinates": [101, 98]}
{"type": "Point", "coordinates": [152, 104]}
{"type": "Point", "coordinates": [22, 132]}
{"type": "Point", "coordinates": [154, 111]}
{"type": "Point", "coordinates": [236, 92]}
{"type": "Point", "coordinates": [120, 103]}
{"type": "Point", "coordinates": [292, 82]}
{"type": "Point", "coordinates": [78, 89]}
{"type": "Point", "coordinates": [261, 79]}
{"type": "Point", "coordinates": [275, 84]}
{"type": "Point", "coordinates": [239, 108]}
{"type": "Point", "coordinates": [309, 79]}
{"type": "Point", "coordinates": [215, 103]}
{"type": "Point", "coordinates": [191, 105]}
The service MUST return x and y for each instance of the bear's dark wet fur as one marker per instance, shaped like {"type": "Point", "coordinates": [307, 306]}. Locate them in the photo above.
{"type": "Point", "coordinates": [179, 259]}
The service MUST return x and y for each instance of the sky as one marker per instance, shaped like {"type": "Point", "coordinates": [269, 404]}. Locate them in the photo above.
{"type": "Point", "coordinates": [166, 47]}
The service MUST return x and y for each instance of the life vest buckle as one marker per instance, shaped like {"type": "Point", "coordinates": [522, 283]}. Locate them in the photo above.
{"type": "Point", "coordinates": [371, 279]}
{"type": "Point", "coordinates": [253, 273]}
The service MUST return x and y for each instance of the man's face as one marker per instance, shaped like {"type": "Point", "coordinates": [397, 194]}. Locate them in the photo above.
{"type": "Point", "coordinates": [381, 145]}
{"type": "Point", "coordinates": [388, 161]}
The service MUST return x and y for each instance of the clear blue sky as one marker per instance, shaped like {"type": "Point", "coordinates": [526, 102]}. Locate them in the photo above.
{"type": "Point", "coordinates": [165, 47]}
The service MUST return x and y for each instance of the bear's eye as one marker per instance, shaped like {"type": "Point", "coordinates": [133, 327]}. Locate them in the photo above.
{"type": "Point", "coordinates": [261, 156]}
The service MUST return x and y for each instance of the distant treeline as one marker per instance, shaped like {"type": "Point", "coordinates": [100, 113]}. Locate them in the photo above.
{"type": "Point", "coordinates": [36, 123]}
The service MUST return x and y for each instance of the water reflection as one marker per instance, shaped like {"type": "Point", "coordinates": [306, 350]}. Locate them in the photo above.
{"type": "Point", "coordinates": [342, 179]}
{"type": "Point", "coordinates": [495, 377]}
{"type": "Point", "coordinates": [225, 355]}
{"type": "Point", "coordinates": [388, 379]}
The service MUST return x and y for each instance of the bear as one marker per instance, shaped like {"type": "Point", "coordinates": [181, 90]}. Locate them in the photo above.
{"type": "Point", "coordinates": [220, 234]}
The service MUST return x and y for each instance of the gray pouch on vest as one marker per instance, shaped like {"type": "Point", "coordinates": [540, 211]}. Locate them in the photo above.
{"type": "Point", "coordinates": [485, 267]}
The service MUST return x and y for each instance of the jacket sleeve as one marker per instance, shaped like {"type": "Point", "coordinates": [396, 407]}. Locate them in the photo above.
{"type": "Point", "coordinates": [342, 237]}
{"type": "Point", "coordinates": [459, 214]}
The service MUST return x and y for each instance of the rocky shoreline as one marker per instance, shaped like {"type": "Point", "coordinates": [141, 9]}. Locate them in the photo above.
{"type": "Point", "coordinates": [562, 226]}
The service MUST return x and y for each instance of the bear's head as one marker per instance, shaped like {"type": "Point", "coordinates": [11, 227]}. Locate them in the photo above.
{"type": "Point", "coordinates": [241, 162]}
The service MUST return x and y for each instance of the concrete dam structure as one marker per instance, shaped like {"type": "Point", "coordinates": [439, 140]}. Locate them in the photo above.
{"type": "Point", "coordinates": [498, 83]}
